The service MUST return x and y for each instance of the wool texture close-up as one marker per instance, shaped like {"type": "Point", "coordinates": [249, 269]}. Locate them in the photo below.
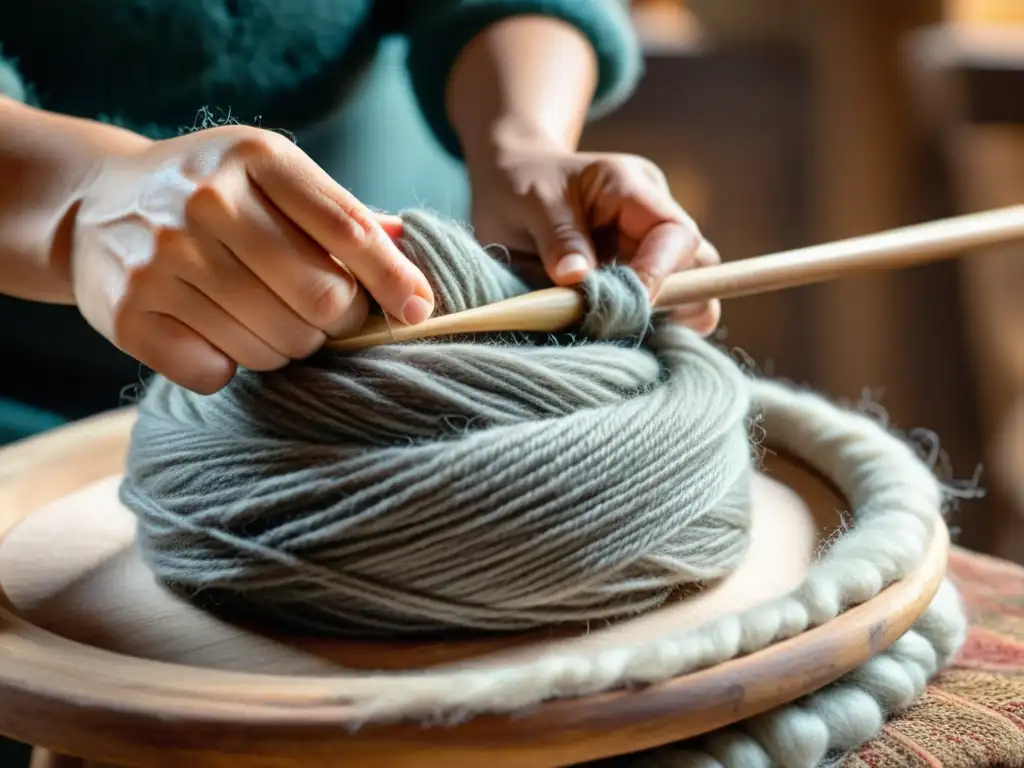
{"type": "Point", "coordinates": [483, 484]}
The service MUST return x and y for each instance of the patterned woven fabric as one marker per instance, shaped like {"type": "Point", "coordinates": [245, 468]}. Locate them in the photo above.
{"type": "Point", "coordinates": [972, 715]}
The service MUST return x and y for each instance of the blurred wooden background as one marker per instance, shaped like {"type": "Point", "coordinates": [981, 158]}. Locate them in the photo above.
{"type": "Point", "coordinates": [784, 123]}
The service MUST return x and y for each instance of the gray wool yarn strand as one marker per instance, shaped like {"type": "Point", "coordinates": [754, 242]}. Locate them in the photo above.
{"type": "Point", "coordinates": [500, 482]}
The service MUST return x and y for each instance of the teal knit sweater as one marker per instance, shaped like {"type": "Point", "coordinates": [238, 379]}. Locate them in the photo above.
{"type": "Point", "coordinates": [151, 65]}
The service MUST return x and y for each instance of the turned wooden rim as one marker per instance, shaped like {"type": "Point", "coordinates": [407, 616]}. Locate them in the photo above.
{"type": "Point", "coordinates": [84, 691]}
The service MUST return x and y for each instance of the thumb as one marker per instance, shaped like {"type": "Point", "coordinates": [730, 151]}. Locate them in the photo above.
{"type": "Point", "coordinates": [565, 245]}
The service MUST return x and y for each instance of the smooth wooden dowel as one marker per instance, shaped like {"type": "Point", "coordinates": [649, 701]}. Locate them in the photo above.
{"type": "Point", "coordinates": [557, 309]}
{"type": "Point", "coordinates": [918, 244]}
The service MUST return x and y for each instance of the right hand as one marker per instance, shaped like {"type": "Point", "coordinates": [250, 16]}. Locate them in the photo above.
{"type": "Point", "coordinates": [214, 250]}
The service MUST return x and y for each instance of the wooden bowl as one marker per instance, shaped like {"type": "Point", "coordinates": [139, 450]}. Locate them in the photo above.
{"type": "Point", "coordinates": [98, 660]}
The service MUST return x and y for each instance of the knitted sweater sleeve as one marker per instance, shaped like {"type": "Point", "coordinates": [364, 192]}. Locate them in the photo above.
{"type": "Point", "coordinates": [11, 84]}
{"type": "Point", "coordinates": [438, 30]}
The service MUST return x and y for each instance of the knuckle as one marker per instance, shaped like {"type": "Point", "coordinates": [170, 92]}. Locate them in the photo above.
{"type": "Point", "coordinates": [396, 276]}
{"type": "Point", "coordinates": [168, 241]}
{"type": "Point", "coordinates": [565, 235]}
{"type": "Point", "coordinates": [694, 245]}
{"type": "Point", "coordinates": [259, 151]}
{"type": "Point", "coordinates": [328, 299]}
{"type": "Point", "coordinates": [174, 252]}
{"type": "Point", "coordinates": [707, 255]}
{"type": "Point", "coordinates": [258, 144]}
{"type": "Point", "coordinates": [629, 165]}
{"type": "Point", "coordinates": [350, 234]}
{"type": "Point", "coordinates": [139, 279]}
{"type": "Point", "coordinates": [207, 201]}
{"type": "Point", "coordinates": [353, 318]}
{"type": "Point", "coordinates": [124, 324]}
{"type": "Point", "coordinates": [610, 165]}
{"type": "Point", "coordinates": [539, 202]}
{"type": "Point", "coordinates": [653, 172]}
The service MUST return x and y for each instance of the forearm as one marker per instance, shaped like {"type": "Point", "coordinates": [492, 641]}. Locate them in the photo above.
{"type": "Point", "coordinates": [46, 161]}
{"type": "Point", "coordinates": [525, 79]}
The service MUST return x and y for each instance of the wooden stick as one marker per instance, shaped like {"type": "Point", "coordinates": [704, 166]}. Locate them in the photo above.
{"type": "Point", "coordinates": [558, 309]}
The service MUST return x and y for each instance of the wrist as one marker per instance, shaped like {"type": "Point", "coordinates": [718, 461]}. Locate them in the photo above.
{"type": "Point", "coordinates": [514, 136]}
{"type": "Point", "coordinates": [85, 176]}
{"type": "Point", "coordinates": [51, 161]}
{"type": "Point", "coordinates": [522, 84]}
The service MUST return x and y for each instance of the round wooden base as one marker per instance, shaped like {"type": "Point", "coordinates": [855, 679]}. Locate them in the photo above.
{"type": "Point", "coordinates": [98, 660]}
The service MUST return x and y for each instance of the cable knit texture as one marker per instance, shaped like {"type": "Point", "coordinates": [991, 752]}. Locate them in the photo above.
{"type": "Point", "coordinates": [11, 84]}
{"type": "Point", "coordinates": [151, 64]}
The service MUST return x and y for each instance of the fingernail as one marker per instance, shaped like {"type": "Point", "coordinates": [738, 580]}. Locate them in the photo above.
{"type": "Point", "coordinates": [573, 265]}
{"type": "Point", "coordinates": [416, 310]}
{"type": "Point", "coordinates": [392, 226]}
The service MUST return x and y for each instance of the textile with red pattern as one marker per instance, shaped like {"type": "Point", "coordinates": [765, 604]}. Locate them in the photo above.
{"type": "Point", "coordinates": [972, 715]}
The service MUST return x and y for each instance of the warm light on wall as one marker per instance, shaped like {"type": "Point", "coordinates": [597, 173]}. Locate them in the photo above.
{"type": "Point", "coordinates": [665, 22]}
{"type": "Point", "coordinates": [1008, 12]}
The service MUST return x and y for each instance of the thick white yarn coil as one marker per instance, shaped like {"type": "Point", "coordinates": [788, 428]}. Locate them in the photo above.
{"type": "Point", "coordinates": [836, 719]}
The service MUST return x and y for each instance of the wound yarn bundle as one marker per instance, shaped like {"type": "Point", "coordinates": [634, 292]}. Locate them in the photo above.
{"type": "Point", "coordinates": [511, 481]}
{"type": "Point", "coordinates": [492, 484]}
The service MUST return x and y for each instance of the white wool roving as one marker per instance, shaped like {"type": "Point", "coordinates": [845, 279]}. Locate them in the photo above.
{"type": "Point", "coordinates": [836, 719]}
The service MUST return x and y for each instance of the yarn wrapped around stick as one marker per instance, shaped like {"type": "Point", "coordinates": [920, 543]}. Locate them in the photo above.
{"type": "Point", "coordinates": [492, 483]}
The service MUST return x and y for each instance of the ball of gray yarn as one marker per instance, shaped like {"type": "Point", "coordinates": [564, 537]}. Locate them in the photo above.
{"type": "Point", "coordinates": [500, 482]}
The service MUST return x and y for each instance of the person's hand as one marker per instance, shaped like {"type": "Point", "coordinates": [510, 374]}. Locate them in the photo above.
{"type": "Point", "coordinates": [577, 210]}
{"type": "Point", "coordinates": [214, 250]}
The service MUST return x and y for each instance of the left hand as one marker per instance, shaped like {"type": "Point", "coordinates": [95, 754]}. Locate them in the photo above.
{"type": "Point", "coordinates": [578, 210]}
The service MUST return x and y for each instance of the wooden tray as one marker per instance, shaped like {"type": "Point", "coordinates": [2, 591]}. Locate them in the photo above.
{"type": "Point", "coordinates": [97, 660]}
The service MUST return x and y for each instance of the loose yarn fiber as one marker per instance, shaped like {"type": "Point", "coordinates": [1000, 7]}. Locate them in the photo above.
{"type": "Point", "coordinates": [487, 484]}
{"type": "Point", "coordinates": [507, 482]}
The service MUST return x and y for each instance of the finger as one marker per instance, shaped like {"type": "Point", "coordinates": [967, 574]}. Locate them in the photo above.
{"type": "Point", "coordinates": [111, 299]}
{"type": "Point", "coordinates": [562, 239]}
{"type": "Point", "coordinates": [316, 288]}
{"type": "Point", "coordinates": [194, 309]}
{"type": "Point", "coordinates": [706, 255]}
{"type": "Point", "coordinates": [224, 279]}
{"type": "Point", "coordinates": [632, 202]}
{"type": "Point", "coordinates": [177, 353]}
{"type": "Point", "coordinates": [702, 318]}
{"type": "Point", "coordinates": [655, 234]}
{"type": "Point", "coordinates": [664, 249]}
{"type": "Point", "coordinates": [343, 227]}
